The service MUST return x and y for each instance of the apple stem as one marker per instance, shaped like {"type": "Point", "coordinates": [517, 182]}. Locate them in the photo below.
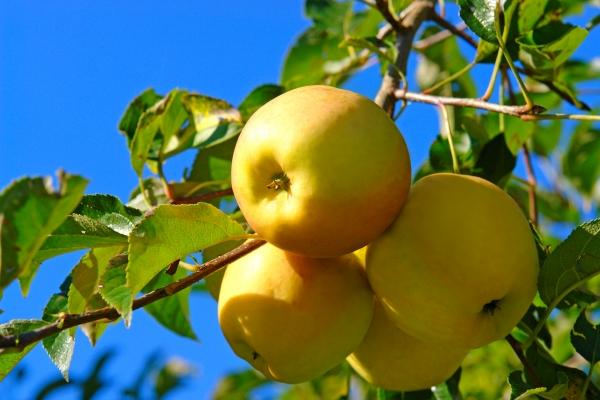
{"type": "Point", "coordinates": [279, 182]}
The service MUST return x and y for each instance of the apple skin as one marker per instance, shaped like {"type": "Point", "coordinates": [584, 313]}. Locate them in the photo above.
{"type": "Point", "coordinates": [320, 171]}
{"type": "Point", "coordinates": [458, 265]}
{"type": "Point", "coordinates": [391, 359]}
{"type": "Point", "coordinates": [291, 317]}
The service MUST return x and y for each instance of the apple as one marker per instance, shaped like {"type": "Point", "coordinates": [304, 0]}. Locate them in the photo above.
{"type": "Point", "coordinates": [291, 317]}
{"type": "Point", "coordinates": [393, 360]}
{"type": "Point", "coordinates": [459, 264]}
{"type": "Point", "coordinates": [320, 171]}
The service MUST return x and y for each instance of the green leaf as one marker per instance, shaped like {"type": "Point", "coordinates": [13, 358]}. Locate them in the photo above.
{"type": "Point", "coordinates": [329, 14]}
{"type": "Point", "coordinates": [59, 346]}
{"type": "Point", "coordinates": [495, 160]}
{"type": "Point", "coordinates": [85, 277]}
{"type": "Point", "coordinates": [78, 232]}
{"type": "Point", "coordinates": [574, 261]}
{"type": "Point", "coordinates": [529, 13]}
{"type": "Point", "coordinates": [156, 126]}
{"type": "Point", "coordinates": [517, 132]}
{"type": "Point", "coordinates": [29, 211]}
{"type": "Point", "coordinates": [110, 211]}
{"type": "Point", "coordinates": [173, 312]}
{"type": "Point", "coordinates": [479, 15]}
{"type": "Point", "coordinates": [214, 163]}
{"type": "Point", "coordinates": [134, 111]}
{"type": "Point", "coordinates": [581, 161]}
{"type": "Point", "coordinates": [239, 385]}
{"type": "Point", "coordinates": [213, 121]}
{"type": "Point", "coordinates": [257, 98]}
{"type": "Point", "coordinates": [170, 233]}
{"type": "Point", "coordinates": [586, 339]}
{"type": "Point", "coordinates": [549, 46]}
{"type": "Point", "coordinates": [9, 359]}
{"type": "Point", "coordinates": [440, 157]}
{"type": "Point", "coordinates": [546, 137]}
{"type": "Point", "coordinates": [114, 290]}
{"type": "Point", "coordinates": [171, 376]}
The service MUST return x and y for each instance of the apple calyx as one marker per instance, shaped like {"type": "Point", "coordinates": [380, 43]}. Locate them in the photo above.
{"type": "Point", "coordinates": [280, 182]}
{"type": "Point", "coordinates": [491, 307]}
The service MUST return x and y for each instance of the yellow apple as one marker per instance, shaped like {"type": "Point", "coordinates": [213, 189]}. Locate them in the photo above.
{"type": "Point", "coordinates": [320, 171]}
{"type": "Point", "coordinates": [391, 359]}
{"type": "Point", "coordinates": [458, 265]}
{"type": "Point", "coordinates": [292, 317]}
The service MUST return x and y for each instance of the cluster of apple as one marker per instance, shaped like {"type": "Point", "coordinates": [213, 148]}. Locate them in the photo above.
{"type": "Point", "coordinates": [450, 264]}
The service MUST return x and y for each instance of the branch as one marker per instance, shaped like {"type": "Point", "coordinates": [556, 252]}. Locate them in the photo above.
{"type": "Point", "coordinates": [408, 25]}
{"type": "Point", "coordinates": [384, 8]}
{"type": "Point", "coordinates": [458, 31]}
{"type": "Point", "coordinates": [518, 349]}
{"type": "Point", "coordinates": [67, 321]}
{"type": "Point", "coordinates": [522, 112]}
{"type": "Point", "coordinates": [203, 197]}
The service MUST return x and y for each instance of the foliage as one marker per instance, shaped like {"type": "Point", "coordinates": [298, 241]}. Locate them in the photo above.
{"type": "Point", "coordinates": [130, 245]}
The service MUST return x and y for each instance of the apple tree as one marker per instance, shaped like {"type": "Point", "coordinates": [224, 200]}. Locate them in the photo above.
{"type": "Point", "coordinates": [534, 113]}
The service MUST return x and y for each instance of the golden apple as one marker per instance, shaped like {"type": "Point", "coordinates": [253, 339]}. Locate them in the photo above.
{"type": "Point", "coordinates": [391, 359]}
{"type": "Point", "coordinates": [292, 317]}
{"type": "Point", "coordinates": [459, 264]}
{"type": "Point", "coordinates": [320, 171]}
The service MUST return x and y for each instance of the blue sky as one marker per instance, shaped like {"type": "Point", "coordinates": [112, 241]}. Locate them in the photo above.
{"type": "Point", "coordinates": [68, 70]}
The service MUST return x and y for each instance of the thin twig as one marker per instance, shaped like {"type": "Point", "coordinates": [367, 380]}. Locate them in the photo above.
{"type": "Point", "coordinates": [203, 197]}
{"type": "Point", "coordinates": [518, 349]}
{"type": "Point", "coordinates": [437, 37]}
{"type": "Point", "coordinates": [531, 179]}
{"type": "Point", "coordinates": [108, 313]}
{"type": "Point", "coordinates": [516, 111]}
{"type": "Point", "coordinates": [409, 23]}
{"type": "Point", "coordinates": [435, 17]}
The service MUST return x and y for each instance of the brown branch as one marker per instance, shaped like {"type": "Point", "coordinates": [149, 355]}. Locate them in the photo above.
{"type": "Point", "coordinates": [203, 197]}
{"type": "Point", "coordinates": [408, 25]}
{"type": "Point", "coordinates": [384, 8]}
{"type": "Point", "coordinates": [67, 321]}
{"type": "Point", "coordinates": [435, 17]}
{"type": "Point", "coordinates": [518, 349]}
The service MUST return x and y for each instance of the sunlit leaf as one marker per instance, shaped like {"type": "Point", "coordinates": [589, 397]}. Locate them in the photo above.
{"type": "Point", "coordinates": [9, 359]}
{"type": "Point", "coordinates": [479, 16]}
{"type": "Point", "coordinates": [29, 211]}
{"type": "Point", "coordinates": [258, 97]}
{"type": "Point", "coordinates": [60, 346]}
{"type": "Point", "coordinates": [170, 233]}
{"type": "Point", "coordinates": [134, 111]}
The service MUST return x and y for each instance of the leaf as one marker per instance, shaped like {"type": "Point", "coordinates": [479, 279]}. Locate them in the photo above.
{"type": "Point", "coordinates": [114, 290]}
{"type": "Point", "coordinates": [29, 211]}
{"type": "Point", "coordinates": [574, 261]}
{"type": "Point", "coordinates": [258, 97]}
{"type": "Point", "coordinates": [9, 359]}
{"type": "Point", "coordinates": [495, 160]}
{"type": "Point", "coordinates": [155, 128]}
{"type": "Point", "coordinates": [213, 121]}
{"type": "Point", "coordinates": [479, 15]}
{"type": "Point", "coordinates": [440, 156]}
{"type": "Point", "coordinates": [546, 137]}
{"type": "Point", "coordinates": [110, 211]}
{"type": "Point", "coordinates": [134, 111]}
{"type": "Point", "coordinates": [549, 46]}
{"type": "Point", "coordinates": [85, 277]}
{"type": "Point", "coordinates": [239, 385]}
{"type": "Point", "coordinates": [516, 133]}
{"type": "Point", "coordinates": [329, 14]}
{"type": "Point", "coordinates": [585, 337]}
{"type": "Point", "coordinates": [170, 233]}
{"type": "Point", "coordinates": [173, 312]}
{"type": "Point", "coordinates": [214, 163]}
{"type": "Point", "coordinates": [60, 346]}
{"type": "Point", "coordinates": [529, 13]}
{"type": "Point", "coordinates": [171, 376]}
{"type": "Point", "coordinates": [78, 232]}
{"type": "Point", "coordinates": [581, 161]}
